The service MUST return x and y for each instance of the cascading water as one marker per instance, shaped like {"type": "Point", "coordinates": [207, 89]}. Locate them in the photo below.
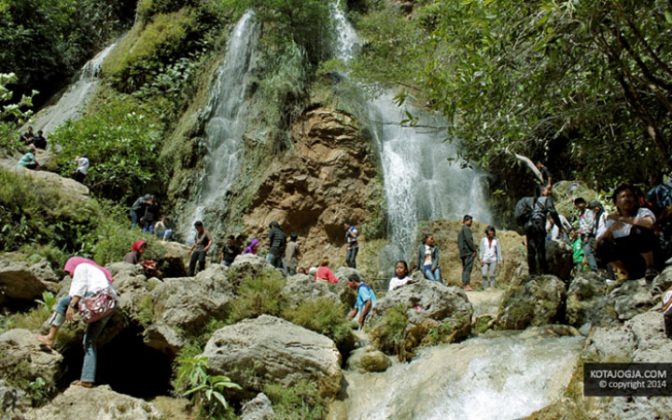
{"type": "Point", "coordinates": [227, 120]}
{"type": "Point", "coordinates": [423, 180]}
{"type": "Point", "coordinates": [493, 378]}
{"type": "Point", "coordinates": [72, 102]}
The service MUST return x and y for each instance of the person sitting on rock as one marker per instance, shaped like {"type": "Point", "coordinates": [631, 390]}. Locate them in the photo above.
{"type": "Point", "coordinates": [401, 275]}
{"type": "Point", "coordinates": [27, 137]}
{"type": "Point", "coordinates": [39, 141]}
{"type": "Point", "coordinates": [366, 299]}
{"type": "Point", "coordinates": [230, 251]}
{"type": "Point", "coordinates": [137, 249]}
{"type": "Point", "coordinates": [162, 229]}
{"type": "Point", "coordinates": [324, 272]}
{"type": "Point", "coordinates": [88, 278]}
{"type": "Point", "coordinates": [629, 239]}
{"type": "Point", "coordinates": [252, 247]}
{"type": "Point", "coordinates": [199, 250]}
{"type": "Point", "coordinates": [28, 160]}
{"type": "Point", "coordinates": [82, 168]}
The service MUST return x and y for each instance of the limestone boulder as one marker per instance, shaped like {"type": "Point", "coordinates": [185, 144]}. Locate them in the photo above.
{"type": "Point", "coordinates": [559, 258]}
{"type": "Point", "coordinates": [588, 302]}
{"type": "Point", "coordinates": [264, 350]}
{"type": "Point", "coordinates": [22, 282]}
{"type": "Point", "coordinates": [632, 298]}
{"type": "Point", "coordinates": [258, 408]}
{"type": "Point", "coordinates": [13, 401]}
{"type": "Point", "coordinates": [368, 359]}
{"type": "Point", "coordinates": [175, 259]}
{"type": "Point", "coordinates": [121, 268]}
{"type": "Point", "coordinates": [531, 301]}
{"type": "Point", "coordinates": [66, 186]}
{"type": "Point", "coordinates": [22, 359]}
{"type": "Point", "coordinates": [432, 312]}
{"type": "Point", "coordinates": [301, 287]}
{"type": "Point", "coordinates": [247, 266]}
{"type": "Point", "coordinates": [100, 403]}
{"type": "Point", "coordinates": [662, 282]}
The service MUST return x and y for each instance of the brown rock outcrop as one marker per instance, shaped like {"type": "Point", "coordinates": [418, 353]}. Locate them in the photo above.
{"type": "Point", "coordinates": [328, 179]}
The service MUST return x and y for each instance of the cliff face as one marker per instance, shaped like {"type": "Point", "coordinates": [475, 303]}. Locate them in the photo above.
{"type": "Point", "coordinates": [327, 179]}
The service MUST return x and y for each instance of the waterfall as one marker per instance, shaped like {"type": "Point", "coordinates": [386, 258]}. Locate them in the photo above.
{"type": "Point", "coordinates": [227, 114]}
{"type": "Point", "coordinates": [493, 378]}
{"type": "Point", "coordinates": [71, 104]}
{"type": "Point", "coordinates": [422, 177]}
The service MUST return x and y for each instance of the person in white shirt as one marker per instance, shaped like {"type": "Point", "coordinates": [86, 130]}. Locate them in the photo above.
{"type": "Point", "coordinates": [628, 239]}
{"type": "Point", "coordinates": [401, 272]}
{"type": "Point", "coordinates": [82, 168]}
{"type": "Point", "coordinates": [88, 278]}
{"type": "Point", "coordinates": [490, 254]}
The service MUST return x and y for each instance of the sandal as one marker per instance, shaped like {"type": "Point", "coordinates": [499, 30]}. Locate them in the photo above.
{"type": "Point", "coordinates": [83, 384]}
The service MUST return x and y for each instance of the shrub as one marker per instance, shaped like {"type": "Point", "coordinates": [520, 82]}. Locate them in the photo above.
{"type": "Point", "coordinates": [389, 332]}
{"type": "Point", "coordinates": [120, 139]}
{"type": "Point", "coordinates": [322, 315]}
{"type": "Point", "coordinates": [300, 401]}
{"type": "Point", "coordinates": [259, 295]}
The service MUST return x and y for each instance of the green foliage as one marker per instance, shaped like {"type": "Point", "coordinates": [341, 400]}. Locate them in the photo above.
{"type": "Point", "coordinates": [258, 295]}
{"type": "Point", "coordinates": [120, 139]}
{"type": "Point", "coordinates": [299, 401]}
{"type": "Point", "coordinates": [16, 110]}
{"type": "Point", "coordinates": [389, 332]}
{"type": "Point", "coordinates": [193, 380]}
{"type": "Point", "coordinates": [321, 315]}
{"type": "Point", "coordinates": [53, 254]}
{"type": "Point", "coordinates": [46, 41]}
{"type": "Point", "coordinates": [48, 300]}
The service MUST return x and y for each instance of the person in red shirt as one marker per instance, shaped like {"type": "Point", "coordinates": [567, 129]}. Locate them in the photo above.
{"type": "Point", "coordinates": [325, 273]}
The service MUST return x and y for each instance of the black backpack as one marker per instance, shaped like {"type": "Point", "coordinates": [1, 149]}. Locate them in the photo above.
{"type": "Point", "coordinates": [530, 214]}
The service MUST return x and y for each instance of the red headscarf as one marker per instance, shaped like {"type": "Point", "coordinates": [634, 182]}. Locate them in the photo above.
{"type": "Point", "coordinates": [137, 245]}
{"type": "Point", "coordinates": [73, 262]}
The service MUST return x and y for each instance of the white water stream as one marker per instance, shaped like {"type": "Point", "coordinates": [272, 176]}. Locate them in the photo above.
{"type": "Point", "coordinates": [481, 378]}
{"type": "Point", "coordinates": [227, 121]}
{"type": "Point", "coordinates": [423, 179]}
{"type": "Point", "coordinates": [72, 103]}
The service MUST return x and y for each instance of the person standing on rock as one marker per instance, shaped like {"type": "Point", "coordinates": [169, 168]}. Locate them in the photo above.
{"type": "Point", "coordinates": [88, 278]}
{"type": "Point", "coordinates": [428, 259]}
{"type": "Point", "coordinates": [490, 256]}
{"type": "Point", "coordinates": [277, 240]}
{"type": "Point", "coordinates": [199, 249]}
{"type": "Point", "coordinates": [467, 248]}
{"type": "Point", "coordinates": [291, 259]}
{"type": "Point", "coordinates": [366, 299]}
{"type": "Point", "coordinates": [541, 205]}
{"type": "Point", "coordinates": [351, 234]}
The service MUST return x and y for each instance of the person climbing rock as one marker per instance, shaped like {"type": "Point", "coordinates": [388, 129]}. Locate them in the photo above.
{"type": "Point", "coordinates": [366, 299]}
{"type": "Point", "coordinates": [351, 235]}
{"type": "Point", "coordinates": [467, 248]}
{"type": "Point", "coordinates": [199, 250]}
{"type": "Point", "coordinates": [88, 279]}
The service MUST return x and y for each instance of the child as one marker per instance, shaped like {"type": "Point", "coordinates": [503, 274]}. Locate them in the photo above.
{"type": "Point", "coordinates": [577, 251]}
{"type": "Point", "coordinates": [401, 271]}
{"type": "Point", "coordinates": [325, 273]}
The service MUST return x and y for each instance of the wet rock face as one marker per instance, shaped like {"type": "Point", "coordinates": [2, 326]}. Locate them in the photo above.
{"type": "Point", "coordinates": [531, 301]}
{"type": "Point", "coordinates": [329, 180]}
{"type": "Point", "coordinates": [433, 313]}
{"type": "Point", "coordinates": [95, 403]}
{"type": "Point", "coordinates": [267, 349]}
{"type": "Point", "coordinates": [22, 359]}
{"type": "Point", "coordinates": [368, 359]}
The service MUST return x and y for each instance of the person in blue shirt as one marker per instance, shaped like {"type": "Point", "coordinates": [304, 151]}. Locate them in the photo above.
{"type": "Point", "coordinates": [28, 160]}
{"type": "Point", "coordinates": [366, 299]}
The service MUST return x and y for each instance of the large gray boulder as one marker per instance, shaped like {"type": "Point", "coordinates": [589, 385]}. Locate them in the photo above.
{"type": "Point", "coordinates": [531, 301]}
{"type": "Point", "coordinates": [433, 312]}
{"type": "Point", "coordinates": [12, 401]}
{"type": "Point", "coordinates": [22, 282]}
{"type": "Point", "coordinates": [588, 302]}
{"type": "Point", "coordinates": [301, 287]}
{"type": "Point", "coordinates": [23, 361]}
{"type": "Point", "coordinates": [662, 282]}
{"type": "Point", "coordinates": [632, 298]}
{"type": "Point", "coordinates": [247, 266]}
{"type": "Point", "coordinates": [264, 350]}
{"type": "Point", "coordinates": [100, 403]}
